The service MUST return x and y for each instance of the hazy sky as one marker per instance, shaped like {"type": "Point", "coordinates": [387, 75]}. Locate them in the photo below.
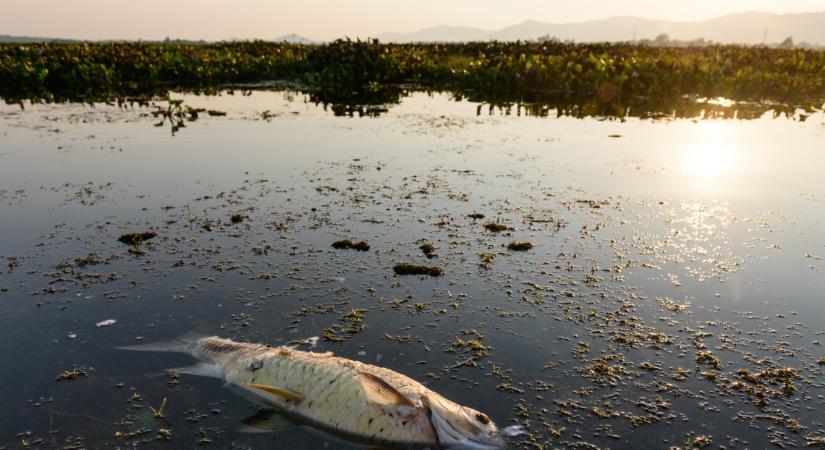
{"type": "Point", "coordinates": [327, 19]}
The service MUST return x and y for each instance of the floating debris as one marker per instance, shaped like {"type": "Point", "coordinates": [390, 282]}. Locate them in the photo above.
{"type": "Point", "coordinates": [412, 269]}
{"type": "Point", "coordinates": [816, 441]}
{"type": "Point", "coordinates": [137, 238]}
{"type": "Point", "coordinates": [164, 434]}
{"type": "Point", "coordinates": [486, 259]}
{"type": "Point", "coordinates": [495, 227]}
{"type": "Point", "coordinates": [90, 260]}
{"type": "Point", "coordinates": [429, 250]}
{"type": "Point", "coordinates": [237, 218]}
{"type": "Point", "coordinates": [68, 375]}
{"type": "Point", "coordinates": [350, 324]}
{"type": "Point", "coordinates": [105, 323]}
{"type": "Point", "coordinates": [361, 246]}
{"type": "Point", "coordinates": [595, 204]}
{"type": "Point", "coordinates": [708, 358]}
{"type": "Point", "coordinates": [702, 441]}
{"type": "Point", "coordinates": [519, 246]}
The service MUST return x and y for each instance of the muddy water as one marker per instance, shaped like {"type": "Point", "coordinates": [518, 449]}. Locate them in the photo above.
{"type": "Point", "coordinates": [672, 296]}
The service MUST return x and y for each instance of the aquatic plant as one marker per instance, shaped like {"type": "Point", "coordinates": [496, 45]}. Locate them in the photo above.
{"type": "Point", "coordinates": [137, 238]}
{"type": "Point", "coordinates": [519, 246]}
{"type": "Point", "coordinates": [429, 250]}
{"type": "Point", "coordinates": [495, 227]}
{"type": "Point", "coordinates": [607, 78]}
{"type": "Point", "coordinates": [412, 269]}
{"type": "Point", "coordinates": [361, 246]}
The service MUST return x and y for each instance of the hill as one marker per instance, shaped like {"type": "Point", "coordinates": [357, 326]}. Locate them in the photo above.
{"type": "Point", "coordinates": [740, 28]}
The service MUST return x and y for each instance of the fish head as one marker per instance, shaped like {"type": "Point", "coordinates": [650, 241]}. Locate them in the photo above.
{"type": "Point", "coordinates": [461, 427]}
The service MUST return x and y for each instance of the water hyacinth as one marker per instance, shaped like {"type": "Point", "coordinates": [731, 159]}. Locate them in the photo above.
{"type": "Point", "coordinates": [489, 71]}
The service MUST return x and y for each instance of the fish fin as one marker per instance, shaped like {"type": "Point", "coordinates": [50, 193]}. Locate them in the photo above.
{"type": "Point", "coordinates": [285, 394]}
{"type": "Point", "coordinates": [191, 337]}
{"type": "Point", "coordinates": [182, 344]}
{"type": "Point", "coordinates": [379, 391]}
{"type": "Point", "coordinates": [200, 369]}
{"type": "Point", "coordinates": [266, 421]}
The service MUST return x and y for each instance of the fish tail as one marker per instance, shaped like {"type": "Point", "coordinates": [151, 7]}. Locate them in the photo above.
{"type": "Point", "coordinates": [182, 344]}
{"type": "Point", "coordinates": [187, 343]}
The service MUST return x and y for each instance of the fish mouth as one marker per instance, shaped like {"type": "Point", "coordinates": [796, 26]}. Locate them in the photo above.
{"type": "Point", "coordinates": [452, 437]}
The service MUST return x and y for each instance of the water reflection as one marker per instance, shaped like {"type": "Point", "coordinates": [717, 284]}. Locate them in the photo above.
{"type": "Point", "coordinates": [376, 99]}
{"type": "Point", "coordinates": [372, 101]}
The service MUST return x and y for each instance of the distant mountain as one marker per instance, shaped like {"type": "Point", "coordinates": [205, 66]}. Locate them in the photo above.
{"type": "Point", "coordinates": [739, 28]}
{"type": "Point", "coordinates": [294, 39]}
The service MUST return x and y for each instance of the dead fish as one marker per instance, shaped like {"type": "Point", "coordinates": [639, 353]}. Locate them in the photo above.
{"type": "Point", "coordinates": [349, 398]}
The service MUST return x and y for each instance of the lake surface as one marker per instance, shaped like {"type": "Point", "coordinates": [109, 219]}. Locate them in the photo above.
{"type": "Point", "coordinates": [673, 295]}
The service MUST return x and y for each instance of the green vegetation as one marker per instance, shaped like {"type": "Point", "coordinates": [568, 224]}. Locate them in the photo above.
{"type": "Point", "coordinates": [600, 78]}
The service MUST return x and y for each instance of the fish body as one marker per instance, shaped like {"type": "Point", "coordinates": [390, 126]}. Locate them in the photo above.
{"type": "Point", "coordinates": [366, 402]}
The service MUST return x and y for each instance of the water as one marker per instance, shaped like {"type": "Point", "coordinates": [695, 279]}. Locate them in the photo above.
{"type": "Point", "coordinates": [659, 247]}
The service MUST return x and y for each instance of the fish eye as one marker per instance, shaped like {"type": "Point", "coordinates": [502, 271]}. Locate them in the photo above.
{"type": "Point", "coordinates": [482, 418]}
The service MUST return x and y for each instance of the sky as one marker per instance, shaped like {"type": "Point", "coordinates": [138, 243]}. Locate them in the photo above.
{"type": "Point", "coordinates": [330, 19]}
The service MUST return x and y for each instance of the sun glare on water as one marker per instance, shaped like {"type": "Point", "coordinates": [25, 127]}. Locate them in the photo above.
{"type": "Point", "coordinates": [710, 160]}
{"type": "Point", "coordinates": [713, 157]}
